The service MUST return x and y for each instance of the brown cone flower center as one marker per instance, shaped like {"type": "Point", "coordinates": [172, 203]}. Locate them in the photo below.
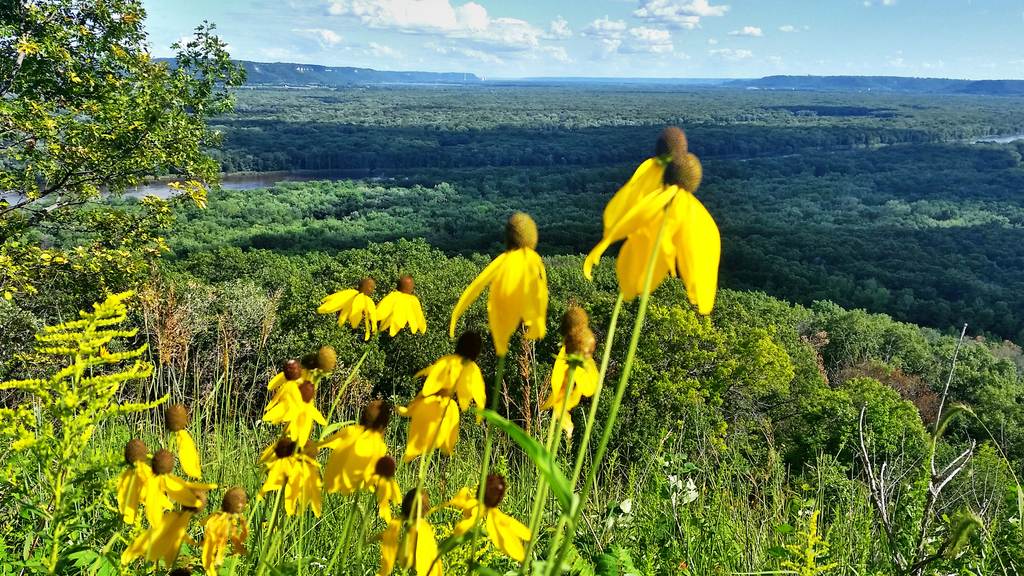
{"type": "Point", "coordinates": [376, 415]}
{"type": "Point", "coordinates": [494, 490]}
{"type": "Point", "coordinates": [672, 142]}
{"type": "Point", "coordinates": [409, 501]}
{"type": "Point", "coordinates": [469, 346]}
{"type": "Point", "coordinates": [326, 358]}
{"type": "Point", "coordinates": [163, 462]}
{"type": "Point", "coordinates": [180, 572]}
{"type": "Point", "coordinates": [520, 232]}
{"type": "Point", "coordinates": [135, 451]}
{"type": "Point", "coordinates": [573, 318]}
{"type": "Point", "coordinates": [405, 284]}
{"type": "Point", "coordinates": [292, 370]}
{"type": "Point", "coordinates": [234, 500]}
{"type": "Point", "coordinates": [284, 448]}
{"type": "Point", "coordinates": [308, 391]}
{"type": "Point", "coordinates": [367, 286]}
{"type": "Point", "coordinates": [581, 341]}
{"type": "Point", "coordinates": [176, 417]}
{"type": "Point", "coordinates": [385, 467]}
{"type": "Point", "coordinates": [684, 172]}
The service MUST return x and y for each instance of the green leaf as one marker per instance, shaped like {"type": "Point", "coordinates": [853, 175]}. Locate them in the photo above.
{"type": "Point", "coordinates": [543, 459]}
{"type": "Point", "coordinates": [453, 542]}
{"type": "Point", "coordinates": [617, 562]}
{"type": "Point", "coordinates": [777, 552]}
{"type": "Point", "coordinates": [481, 569]}
{"type": "Point", "coordinates": [784, 529]}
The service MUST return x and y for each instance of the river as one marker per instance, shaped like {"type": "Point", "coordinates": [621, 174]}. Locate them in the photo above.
{"type": "Point", "coordinates": [252, 180]}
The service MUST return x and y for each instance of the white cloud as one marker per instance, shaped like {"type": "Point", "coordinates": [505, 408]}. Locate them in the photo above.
{"type": "Point", "coordinates": [644, 39]}
{"type": "Point", "coordinates": [325, 38]}
{"type": "Point", "coordinates": [712, 41]}
{"type": "Point", "coordinates": [469, 21]}
{"type": "Point", "coordinates": [379, 51]}
{"type": "Point", "coordinates": [787, 28]}
{"type": "Point", "coordinates": [897, 63]}
{"type": "Point", "coordinates": [933, 65]}
{"type": "Point", "coordinates": [747, 31]}
{"type": "Point", "coordinates": [559, 29]}
{"type": "Point", "coordinates": [730, 55]}
{"type": "Point", "coordinates": [682, 14]}
{"type": "Point", "coordinates": [880, 2]}
{"type": "Point", "coordinates": [605, 28]}
{"type": "Point", "coordinates": [556, 53]}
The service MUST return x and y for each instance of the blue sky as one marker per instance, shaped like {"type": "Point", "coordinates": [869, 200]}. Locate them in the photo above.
{"type": "Point", "coordinates": [974, 39]}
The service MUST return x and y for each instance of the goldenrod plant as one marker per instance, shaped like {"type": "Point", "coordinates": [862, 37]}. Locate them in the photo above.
{"type": "Point", "coordinates": [49, 431]}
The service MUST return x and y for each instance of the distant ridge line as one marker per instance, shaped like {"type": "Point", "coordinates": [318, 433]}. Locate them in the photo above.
{"type": "Point", "coordinates": [296, 74]}
{"type": "Point", "coordinates": [883, 84]}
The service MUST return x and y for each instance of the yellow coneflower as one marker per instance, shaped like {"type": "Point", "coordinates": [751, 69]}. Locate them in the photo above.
{"type": "Point", "coordinates": [295, 405]}
{"type": "Point", "coordinates": [353, 305]}
{"type": "Point", "coordinates": [389, 545]}
{"type": "Point", "coordinates": [165, 484]}
{"type": "Point", "coordinates": [297, 472]}
{"type": "Point", "coordinates": [519, 287]}
{"type": "Point", "coordinates": [577, 354]}
{"type": "Point", "coordinates": [457, 373]}
{"type": "Point", "coordinates": [176, 420]}
{"type": "Point", "coordinates": [227, 524]}
{"type": "Point", "coordinates": [691, 243]}
{"type": "Point", "coordinates": [356, 449]}
{"type": "Point", "coordinates": [401, 308]}
{"type": "Point", "coordinates": [505, 532]}
{"type": "Point", "coordinates": [434, 418]}
{"type": "Point", "coordinates": [384, 486]}
{"type": "Point", "coordinates": [131, 485]}
{"type": "Point", "coordinates": [163, 539]}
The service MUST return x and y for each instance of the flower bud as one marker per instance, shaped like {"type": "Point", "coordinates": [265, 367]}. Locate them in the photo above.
{"type": "Point", "coordinates": [284, 448]}
{"type": "Point", "coordinates": [292, 370]}
{"type": "Point", "coordinates": [410, 500]}
{"type": "Point", "coordinates": [163, 462]}
{"type": "Point", "coordinates": [494, 490]}
{"type": "Point", "coordinates": [385, 467]}
{"type": "Point", "coordinates": [176, 417]}
{"type": "Point", "coordinates": [376, 415]}
{"type": "Point", "coordinates": [134, 451]}
{"type": "Point", "coordinates": [469, 346]}
{"type": "Point", "coordinates": [520, 232]}
{"type": "Point", "coordinates": [326, 358]}
{"type": "Point", "coordinates": [405, 284]}
{"type": "Point", "coordinates": [234, 500]}
{"type": "Point", "coordinates": [684, 172]}
{"type": "Point", "coordinates": [672, 142]}
{"type": "Point", "coordinates": [367, 286]}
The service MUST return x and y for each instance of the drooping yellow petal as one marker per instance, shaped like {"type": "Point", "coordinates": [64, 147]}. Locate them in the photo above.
{"type": "Point", "coordinates": [507, 534]}
{"type": "Point", "coordinates": [389, 547]}
{"type": "Point", "coordinates": [188, 455]}
{"type": "Point", "coordinates": [699, 250]}
{"type": "Point", "coordinates": [638, 216]}
{"type": "Point", "coordinates": [473, 291]}
{"type": "Point", "coordinates": [427, 562]}
{"type": "Point", "coordinates": [434, 419]}
{"type": "Point", "coordinates": [217, 527]}
{"type": "Point", "coordinates": [441, 375]}
{"type": "Point", "coordinates": [470, 385]}
{"type": "Point", "coordinates": [634, 258]}
{"type": "Point", "coordinates": [338, 301]}
{"type": "Point", "coordinates": [646, 180]}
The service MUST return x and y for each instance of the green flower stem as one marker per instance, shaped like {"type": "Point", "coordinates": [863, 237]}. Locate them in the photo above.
{"type": "Point", "coordinates": [541, 494]}
{"type": "Point", "coordinates": [585, 442]}
{"type": "Point", "coordinates": [271, 525]}
{"type": "Point", "coordinates": [614, 411]}
{"type": "Point", "coordinates": [486, 462]}
{"type": "Point", "coordinates": [344, 386]}
{"type": "Point", "coordinates": [343, 543]}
